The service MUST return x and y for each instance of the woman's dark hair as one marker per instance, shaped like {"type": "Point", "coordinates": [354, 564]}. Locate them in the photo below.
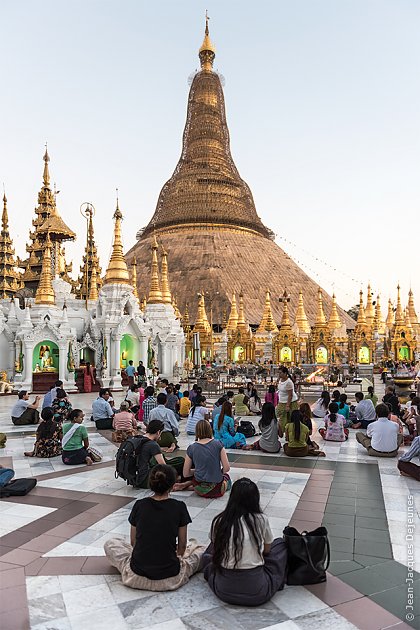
{"type": "Point", "coordinates": [226, 411]}
{"type": "Point", "coordinates": [254, 394]}
{"type": "Point", "coordinates": [60, 393]}
{"type": "Point", "coordinates": [268, 414]}
{"type": "Point", "coordinates": [74, 414]}
{"type": "Point", "coordinates": [333, 409]}
{"type": "Point", "coordinates": [284, 370]}
{"type": "Point", "coordinates": [325, 397]}
{"type": "Point", "coordinates": [46, 428]}
{"type": "Point", "coordinates": [198, 401]}
{"type": "Point", "coordinates": [271, 389]}
{"type": "Point", "coordinates": [343, 401]}
{"type": "Point", "coordinates": [296, 419]}
{"type": "Point", "coordinates": [162, 478]}
{"type": "Point", "coordinates": [155, 426]}
{"type": "Point", "coordinates": [370, 389]}
{"type": "Point", "coordinates": [305, 410]}
{"type": "Point", "coordinates": [133, 388]}
{"type": "Point", "coordinates": [336, 395]}
{"type": "Point", "coordinates": [227, 528]}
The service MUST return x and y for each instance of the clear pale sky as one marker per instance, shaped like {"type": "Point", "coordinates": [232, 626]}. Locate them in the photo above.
{"type": "Point", "coordinates": [322, 99]}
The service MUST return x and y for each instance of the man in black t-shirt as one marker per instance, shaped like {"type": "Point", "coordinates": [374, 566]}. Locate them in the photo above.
{"type": "Point", "coordinates": [150, 454]}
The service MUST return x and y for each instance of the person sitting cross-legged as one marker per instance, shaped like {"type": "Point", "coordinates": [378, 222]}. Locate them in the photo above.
{"type": "Point", "coordinates": [75, 440]}
{"type": "Point", "coordinates": [406, 466]}
{"type": "Point", "coordinates": [224, 428]}
{"type": "Point", "coordinates": [268, 425]}
{"type": "Point", "coordinates": [365, 412]}
{"type": "Point", "coordinates": [150, 454]}
{"type": "Point", "coordinates": [158, 557]}
{"type": "Point", "coordinates": [171, 427]}
{"type": "Point", "coordinates": [124, 424]}
{"type": "Point", "coordinates": [102, 412]}
{"type": "Point", "coordinates": [24, 412]}
{"type": "Point", "coordinates": [244, 565]}
{"type": "Point", "coordinates": [207, 460]}
{"type": "Point", "coordinates": [334, 430]}
{"type": "Point", "coordinates": [48, 436]}
{"type": "Point", "coordinates": [382, 438]}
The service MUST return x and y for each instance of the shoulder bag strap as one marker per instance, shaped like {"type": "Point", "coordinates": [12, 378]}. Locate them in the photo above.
{"type": "Point", "coordinates": [308, 553]}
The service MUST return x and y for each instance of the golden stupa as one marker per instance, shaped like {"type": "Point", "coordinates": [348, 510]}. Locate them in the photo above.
{"type": "Point", "coordinates": [206, 221]}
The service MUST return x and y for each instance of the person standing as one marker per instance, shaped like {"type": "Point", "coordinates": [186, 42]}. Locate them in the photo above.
{"type": "Point", "coordinates": [88, 378]}
{"type": "Point", "coordinates": [141, 372]}
{"type": "Point", "coordinates": [130, 370]}
{"type": "Point", "coordinates": [287, 397]}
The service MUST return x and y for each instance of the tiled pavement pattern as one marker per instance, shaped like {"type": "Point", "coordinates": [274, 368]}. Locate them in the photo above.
{"type": "Point", "coordinates": [54, 575]}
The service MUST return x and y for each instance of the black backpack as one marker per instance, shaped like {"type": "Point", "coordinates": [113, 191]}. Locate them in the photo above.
{"type": "Point", "coordinates": [247, 428]}
{"type": "Point", "coordinates": [18, 487]}
{"type": "Point", "coordinates": [127, 460]}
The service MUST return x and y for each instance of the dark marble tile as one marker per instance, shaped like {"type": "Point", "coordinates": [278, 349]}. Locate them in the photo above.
{"type": "Point", "coordinates": [377, 578]}
{"type": "Point", "coordinates": [371, 548]}
{"type": "Point", "coordinates": [395, 600]}
{"type": "Point", "coordinates": [218, 618]}
{"type": "Point", "coordinates": [374, 535]}
{"type": "Point", "coordinates": [255, 618]}
{"type": "Point", "coordinates": [369, 522]}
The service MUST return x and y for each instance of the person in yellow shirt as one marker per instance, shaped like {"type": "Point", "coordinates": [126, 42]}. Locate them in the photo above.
{"type": "Point", "coordinates": [184, 405]}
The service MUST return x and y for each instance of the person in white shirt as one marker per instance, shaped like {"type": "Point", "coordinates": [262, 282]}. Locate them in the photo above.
{"type": "Point", "coordinates": [382, 438]}
{"type": "Point", "coordinates": [288, 399]}
{"type": "Point", "coordinates": [365, 411]}
{"type": "Point", "coordinates": [168, 436]}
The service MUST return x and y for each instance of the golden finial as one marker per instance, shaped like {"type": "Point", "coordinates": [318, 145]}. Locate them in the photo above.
{"type": "Point", "coordinates": [301, 320]}
{"type": "Point", "coordinates": [399, 313]}
{"type": "Point", "coordinates": [241, 313]}
{"type": "Point", "coordinates": [166, 292]}
{"type": "Point", "coordinates": [233, 317]}
{"type": "Point", "coordinates": [117, 272]}
{"type": "Point", "coordinates": [334, 321]}
{"type": "Point", "coordinates": [320, 315]}
{"type": "Point", "coordinates": [379, 323]}
{"type": "Point", "coordinates": [369, 310]}
{"type": "Point", "coordinates": [267, 323]}
{"type": "Point", "coordinates": [186, 319]}
{"type": "Point", "coordinates": [390, 315]}
{"type": "Point", "coordinates": [411, 308]}
{"type": "Point", "coordinates": [10, 279]}
{"type": "Point", "coordinates": [407, 319]}
{"type": "Point", "coordinates": [285, 321]}
{"type": "Point", "coordinates": [207, 50]}
{"type": "Point", "coordinates": [143, 303]}
{"type": "Point", "coordinates": [155, 294]}
{"type": "Point", "coordinates": [93, 286]}
{"type": "Point", "coordinates": [178, 314]}
{"type": "Point", "coordinates": [224, 319]}
{"type": "Point", "coordinates": [5, 217]}
{"type": "Point", "coordinates": [361, 317]}
{"type": "Point", "coordinates": [46, 174]}
{"type": "Point", "coordinates": [45, 292]}
{"type": "Point", "coordinates": [134, 278]}
{"type": "Point", "coordinates": [202, 322]}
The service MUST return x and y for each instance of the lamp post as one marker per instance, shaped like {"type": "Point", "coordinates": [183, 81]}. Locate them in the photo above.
{"type": "Point", "coordinates": [87, 210]}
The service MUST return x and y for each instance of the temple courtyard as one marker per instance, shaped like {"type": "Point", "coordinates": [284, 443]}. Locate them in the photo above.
{"type": "Point", "coordinates": [54, 574]}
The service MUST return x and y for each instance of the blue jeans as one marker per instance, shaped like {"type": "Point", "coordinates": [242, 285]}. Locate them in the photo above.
{"type": "Point", "coordinates": [6, 475]}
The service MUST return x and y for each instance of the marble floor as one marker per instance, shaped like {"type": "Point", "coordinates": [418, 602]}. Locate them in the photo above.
{"type": "Point", "coordinates": [54, 575]}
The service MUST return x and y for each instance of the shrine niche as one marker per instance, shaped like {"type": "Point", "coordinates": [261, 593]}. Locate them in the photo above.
{"type": "Point", "coordinates": [321, 355]}
{"type": "Point", "coordinates": [364, 354]}
{"type": "Point", "coordinates": [286, 354]}
{"type": "Point", "coordinates": [404, 352]}
{"type": "Point", "coordinates": [238, 354]}
{"type": "Point", "coordinates": [129, 350]}
{"type": "Point", "coordinates": [45, 357]}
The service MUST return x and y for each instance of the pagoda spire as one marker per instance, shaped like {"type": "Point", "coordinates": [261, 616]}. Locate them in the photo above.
{"type": "Point", "coordinates": [155, 294]}
{"type": "Point", "coordinates": [46, 173]}
{"type": "Point", "coordinates": [390, 315]}
{"type": "Point", "coordinates": [233, 316]}
{"type": "Point", "coordinates": [361, 318]}
{"type": "Point", "coordinates": [267, 323]}
{"type": "Point", "coordinates": [370, 309]}
{"type": "Point", "coordinates": [45, 292]}
{"type": "Point", "coordinates": [241, 313]}
{"type": "Point", "coordinates": [379, 320]}
{"type": "Point", "coordinates": [202, 322]}
{"type": "Point", "coordinates": [301, 320]}
{"type": "Point", "coordinates": [94, 285]}
{"type": "Point", "coordinates": [207, 50]}
{"type": "Point", "coordinates": [285, 320]}
{"type": "Point", "coordinates": [176, 309]}
{"type": "Point", "coordinates": [411, 309]}
{"type": "Point", "coordinates": [186, 324]}
{"type": "Point", "coordinates": [133, 279]}
{"type": "Point", "coordinates": [320, 315]}
{"type": "Point", "coordinates": [143, 303]}
{"type": "Point", "coordinates": [90, 262]}
{"type": "Point", "coordinates": [399, 313]}
{"type": "Point", "coordinates": [9, 276]}
{"type": "Point", "coordinates": [166, 292]}
{"type": "Point", "coordinates": [117, 272]}
{"type": "Point", "coordinates": [334, 321]}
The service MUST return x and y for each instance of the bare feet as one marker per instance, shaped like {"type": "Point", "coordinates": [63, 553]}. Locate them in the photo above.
{"type": "Point", "coordinates": [27, 454]}
{"type": "Point", "coordinates": [357, 425]}
{"type": "Point", "coordinates": [178, 487]}
{"type": "Point", "coordinates": [89, 461]}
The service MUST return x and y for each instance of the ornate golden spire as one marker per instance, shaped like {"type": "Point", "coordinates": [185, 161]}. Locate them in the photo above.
{"type": "Point", "coordinates": [143, 303]}
{"type": "Point", "coordinates": [134, 278]}
{"type": "Point", "coordinates": [45, 292]}
{"type": "Point", "coordinates": [301, 320]}
{"type": "Point", "coordinates": [411, 309]}
{"type": "Point", "coordinates": [267, 323]}
{"type": "Point", "coordinates": [166, 292]}
{"type": "Point", "coordinates": [202, 323]}
{"type": "Point", "coordinates": [390, 315]}
{"type": "Point", "coordinates": [285, 320]}
{"type": "Point", "coordinates": [90, 262]}
{"type": "Point", "coordinates": [117, 272]}
{"type": "Point", "coordinates": [379, 323]}
{"type": "Point", "coordinates": [334, 321]}
{"type": "Point", "coordinates": [320, 315]}
{"type": "Point", "coordinates": [155, 294]}
{"type": "Point", "coordinates": [399, 313]}
{"type": "Point", "coordinates": [233, 317]}
{"type": "Point", "coordinates": [224, 319]}
{"type": "Point", "coordinates": [407, 319]}
{"type": "Point", "coordinates": [241, 313]}
{"type": "Point", "coordinates": [178, 314]}
{"type": "Point", "coordinates": [93, 285]}
{"type": "Point", "coordinates": [361, 318]}
{"type": "Point", "coordinates": [9, 278]}
{"type": "Point", "coordinates": [370, 309]}
{"type": "Point", "coordinates": [186, 325]}
{"type": "Point", "coordinates": [207, 51]}
{"type": "Point", "coordinates": [46, 174]}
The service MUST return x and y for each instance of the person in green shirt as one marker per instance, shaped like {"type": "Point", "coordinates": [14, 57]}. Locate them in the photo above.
{"type": "Point", "coordinates": [372, 396]}
{"type": "Point", "coordinates": [75, 440]}
{"type": "Point", "coordinates": [296, 434]}
{"type": "Point", "coordinates": [241, 403]}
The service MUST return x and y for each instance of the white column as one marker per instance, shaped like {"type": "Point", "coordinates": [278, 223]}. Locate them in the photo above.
{"type": "Point", "coordinates": [12, 359]}
{"type": "Point", "coordinates": [143, 350]}
{"type": "Point", "coordinates": [115, 363]}
{"type": "Point", "coordinates": [62, 360]}
{"type": "Point", "coordinates": [27, 366]}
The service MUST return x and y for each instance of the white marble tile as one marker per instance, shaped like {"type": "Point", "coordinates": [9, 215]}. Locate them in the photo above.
{"type": "Point", "coordinates": [140, 612]}
{"type": "Point", "coordinates": [327, 619]}
{"type": "Point", "coordinates": [297, 601]}
{"type": "Point", "coordinates": [90, 598]}
{"type": "Point", "coordinates": [194, 597]}
{"type": "Point", "coordinates": [42, 585]}
{"type": "Point", "coordinates": [121, 593]}
{"type": "Point", "coordinates": [57, 624]}
{"type": "Point", "coordinates": [76, 582]}
{"type": "Point", "coordinates": [94, 620]}
{"type": "Point", "coordinates": [284, 625]}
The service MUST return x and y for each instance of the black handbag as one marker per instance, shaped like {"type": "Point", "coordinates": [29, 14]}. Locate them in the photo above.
{"type": "Point", "coordinates": [308, 555]}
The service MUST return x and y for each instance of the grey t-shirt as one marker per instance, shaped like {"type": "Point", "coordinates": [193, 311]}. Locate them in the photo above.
{"type": "Point", "coordinates": [269, 440]}
{"type": "Point", "coordinates": [206, 461]}
{"type": "Point", "coordinates": [19, 408]}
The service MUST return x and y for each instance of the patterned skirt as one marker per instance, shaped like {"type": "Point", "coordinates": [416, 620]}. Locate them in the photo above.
{"type": "Point", "coordinates": [120, 435]}
{"type": "Point", "coordinates": [210, 490]}
{"type": "Point", "coordinates": [47, 447]}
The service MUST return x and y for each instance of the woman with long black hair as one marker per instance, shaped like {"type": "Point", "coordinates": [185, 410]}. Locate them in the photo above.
{"type": "Point", "coordinates": [48, 436]}
{"type": "Point", "coordinates": [198, 412]}
{"type": "Point", "coordinates": [224, 428]}
{"type": "Point", "coordinates": [268, 425]}
{"type": "Point", "coordinates": [244, 565]}
{"type": "Point", "coordinates": [296, 434]}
